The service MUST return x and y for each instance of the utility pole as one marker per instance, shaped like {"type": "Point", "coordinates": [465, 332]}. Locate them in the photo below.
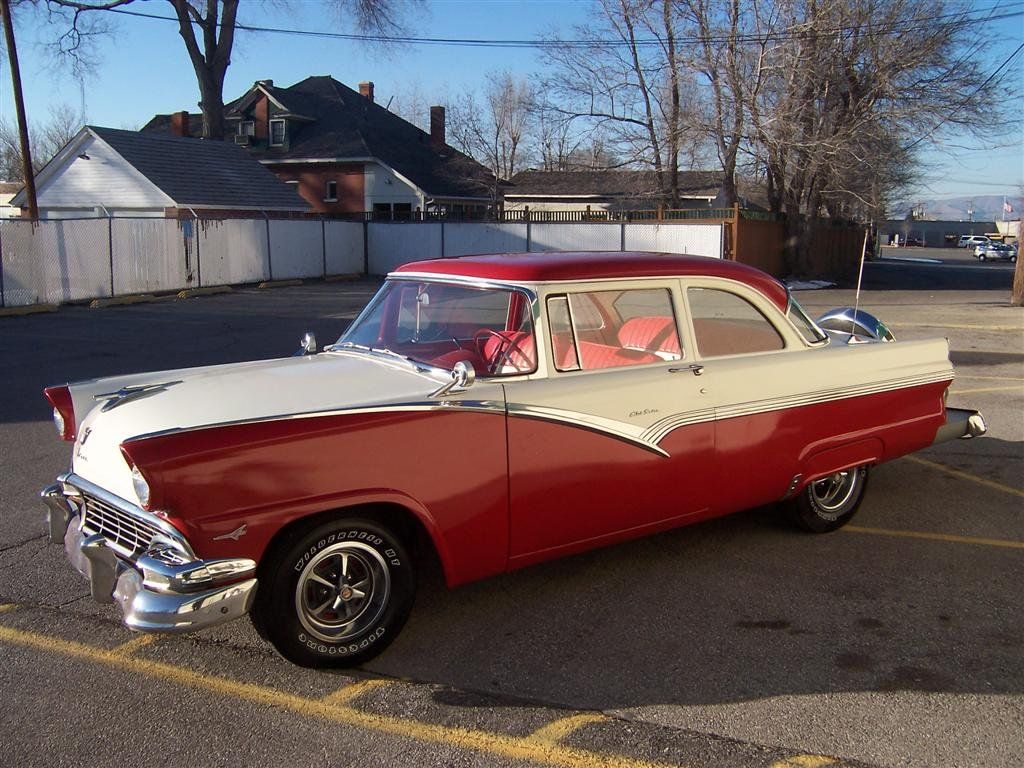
{"type": "Point", "coordinates": [19, 106]}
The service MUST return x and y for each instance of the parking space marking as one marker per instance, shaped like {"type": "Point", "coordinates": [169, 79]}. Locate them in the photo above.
{"type": "Point", "coordinates": [511, 747]}
{"type": "Point", "coordinates": [131, 646]}
{"type": "Point", "coordinates": [1014, 388]}
{"type": "Point", "coordinates": [966, 476]}
{"type": "Point", "coordinates": [804, 761]}
{"type": "Point", "coordinates": [948, 537]}
{"type": "Point", "coordinates": [348, 693]}
{"type": "Point", "coordinates": [555, 731]}
{"type": "Point", "coordinates": [4, 608]}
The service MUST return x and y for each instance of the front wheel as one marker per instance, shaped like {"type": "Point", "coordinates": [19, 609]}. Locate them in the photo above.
{"type": "Point", "coordinates": [336, 595]}
{"type": "Point", "coordinates": [829, 503]}
{"type": "Point", "coordinates": [981, 257]}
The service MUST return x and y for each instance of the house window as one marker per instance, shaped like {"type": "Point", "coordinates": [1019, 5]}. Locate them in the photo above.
{"type": "Point", "coordinates": [247, 128]}
{"type": "Point", "coordinates": [277, 133]}
{"type": "Point", "coordinates": [331, 191]}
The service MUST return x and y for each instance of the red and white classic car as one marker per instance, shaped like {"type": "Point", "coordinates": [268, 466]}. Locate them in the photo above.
{"type": "Point", "coordinates": [502, 410]}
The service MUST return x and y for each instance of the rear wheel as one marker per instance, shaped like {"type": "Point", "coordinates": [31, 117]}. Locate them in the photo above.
{"type": "Point", "coordinates": [829, 503]}
{"type": "Point", "coordinates": [981, 257]}
{"type": "Point", "coordinates": [335, 595]}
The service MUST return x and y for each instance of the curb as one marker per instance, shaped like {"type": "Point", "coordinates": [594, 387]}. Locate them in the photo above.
{"type": "Point", "coordinates": [342, 278]}
{"type": "Point", "coordinates": [209, 291]}
{"type": "Point", "coordinates": [119, 301]}
{"type": "Point", "coordinates": [28, 309]}
{"type": "Point", "coordinates": [279, 283]}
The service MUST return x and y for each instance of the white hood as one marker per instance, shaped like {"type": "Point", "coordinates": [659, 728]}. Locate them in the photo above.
{"type": "Point", "coordinates": [194, 397]}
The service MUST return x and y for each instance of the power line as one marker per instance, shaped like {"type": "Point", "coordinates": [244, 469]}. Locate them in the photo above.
{"type": "Point", "coordinates": [963, 103]}
{"type": "Point", "coordinates": [915, 24]}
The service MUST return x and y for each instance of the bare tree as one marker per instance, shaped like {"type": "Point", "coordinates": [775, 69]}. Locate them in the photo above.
{"type": "Point", "coordinates": [207, 28]}
{"type": "Point", "coordinates": [48, 138]}
{"type": "Point", "coordinates": [494, 127]}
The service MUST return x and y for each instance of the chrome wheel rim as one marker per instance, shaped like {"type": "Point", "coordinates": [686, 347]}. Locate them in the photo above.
{"type": "Point", "coordinates": [831, 494]}
{"type": "Point", "coordinates": [342, 591]}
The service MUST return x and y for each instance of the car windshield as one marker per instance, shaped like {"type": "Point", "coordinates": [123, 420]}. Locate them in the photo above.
{"type": "Point", "coordinates": [440, 324]}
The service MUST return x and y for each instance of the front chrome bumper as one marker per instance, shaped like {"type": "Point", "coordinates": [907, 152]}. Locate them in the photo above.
{"type": "Point", "coordinates": [165, 588]}
{"type": "Point", "coordinates": [961, 423]}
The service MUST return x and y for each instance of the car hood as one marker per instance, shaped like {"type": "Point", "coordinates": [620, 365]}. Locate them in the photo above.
{"type": "Point", "coordinates": [116, 409]}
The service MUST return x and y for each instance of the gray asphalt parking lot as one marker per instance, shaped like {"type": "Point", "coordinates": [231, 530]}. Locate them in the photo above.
{"type": "Point", "coordinates": [896, 641]}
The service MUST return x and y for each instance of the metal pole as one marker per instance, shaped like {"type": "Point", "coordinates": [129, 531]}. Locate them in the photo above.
{"type": "Point", "coordinates": [199, 257]}
{"type": "Point", "coordinates": [2, 298]}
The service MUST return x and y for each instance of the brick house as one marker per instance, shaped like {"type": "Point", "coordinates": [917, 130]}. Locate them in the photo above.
{"type": "Point", "coordinates": [111, 172]}
{"type": "Point", "coordinates": [345, 153]}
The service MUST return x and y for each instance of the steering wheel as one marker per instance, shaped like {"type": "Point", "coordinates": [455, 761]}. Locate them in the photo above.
{"type": "Point", "coordinates": [506, 347]}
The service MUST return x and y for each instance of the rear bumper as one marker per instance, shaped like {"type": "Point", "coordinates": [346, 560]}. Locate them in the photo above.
{"type": "Point", "coordinates": [161, 590]}
{"type": "Point", "coordinates": [961, 423]}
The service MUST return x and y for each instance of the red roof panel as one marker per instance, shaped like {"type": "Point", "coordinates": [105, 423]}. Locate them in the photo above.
{"type": "Point", "coordinates": [595, 265]}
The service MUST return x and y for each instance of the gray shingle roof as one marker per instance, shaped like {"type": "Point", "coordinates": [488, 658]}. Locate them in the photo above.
{"type": "Point", "coordinates": [343, 124]}
{"type": "Point", "coordinates": [202, 173]}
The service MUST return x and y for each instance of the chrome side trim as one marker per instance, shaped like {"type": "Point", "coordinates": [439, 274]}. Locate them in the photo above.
{"type": "Point", "coordinates": [479, 406]}
{"type": "Point", "coordinates": [617, 429]}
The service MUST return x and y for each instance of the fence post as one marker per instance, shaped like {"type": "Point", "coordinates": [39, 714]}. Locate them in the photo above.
{"type": "Point", "coordinates": [622, 237]}
{"type": "Point", "coordinates": [199, 254]}
{"type": "Point", "coordinates": [442, 239]}
{"type": "Point", "coordinates": [323, 242]}
{"type": "Point", "coordinates": [110, 250]}
{"type": "Point", "coordinates": [366, 248]}
{"type": "Point", "coordinates": [529, 233]}
{"type": "Point", "coordinates": [3, 298]}
{"type": "Point", "coordinates": [270, 252]}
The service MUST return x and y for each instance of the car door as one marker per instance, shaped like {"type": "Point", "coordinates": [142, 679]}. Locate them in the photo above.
{"type": "Point", "coordinates": [617, 439]}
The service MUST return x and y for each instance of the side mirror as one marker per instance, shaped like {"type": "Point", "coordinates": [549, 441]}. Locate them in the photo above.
{"type": "Point", "coordinates": [463, 376]}
{"type": "Point", "coordinates": [307, 344]}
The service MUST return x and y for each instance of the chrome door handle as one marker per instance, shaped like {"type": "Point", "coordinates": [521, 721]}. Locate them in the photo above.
{"type": "Point", "coordinates": [697, 369]}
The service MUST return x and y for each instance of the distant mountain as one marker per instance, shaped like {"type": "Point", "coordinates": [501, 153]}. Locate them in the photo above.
{"type": "Point", "coordinates": [986, 208]}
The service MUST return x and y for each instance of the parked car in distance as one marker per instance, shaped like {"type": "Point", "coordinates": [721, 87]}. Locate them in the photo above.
{"type": "Point", "coordinates": [496, 410]}
{"type": "Point", "coordinates": [971, 241]}
{"type": "Point", "coordinates": [996, 251]}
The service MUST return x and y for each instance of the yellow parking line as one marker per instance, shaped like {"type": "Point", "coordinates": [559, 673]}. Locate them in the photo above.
{"type": "Point", "coordinates": [496, 744]}
{"type": "Point", "coordinates": [966, 476]}
{"type": "Point", "coordinates": [555, 731]}
{"type": "Point", "coordinates": [131, 646]}
{"type": "Point", "coordinates": [1008, 543]}
{"type": "Point", "coordinates": [8, 607]}
{"type": "Point", "coordinates": [1017, 388]}
{"type": "Point", "coordinates": [353, 691]}
{"type": "Point", "coordinates": [804, 761]}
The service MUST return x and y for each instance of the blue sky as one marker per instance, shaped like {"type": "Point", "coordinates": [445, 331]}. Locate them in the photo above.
{"type": "Point", "coordinates": [143, 69]}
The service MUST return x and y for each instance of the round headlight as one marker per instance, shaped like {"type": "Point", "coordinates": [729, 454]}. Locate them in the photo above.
{"type": "Point", "coordinates": [58, 422]}
{"type": "Point", "coordinates": [141, 486]}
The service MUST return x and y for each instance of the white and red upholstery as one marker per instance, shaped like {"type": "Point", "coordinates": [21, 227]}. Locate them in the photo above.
{"type": "Point", "coordinates": [651, 334]}
{"type": "Point", "coordinates": [509, 352]}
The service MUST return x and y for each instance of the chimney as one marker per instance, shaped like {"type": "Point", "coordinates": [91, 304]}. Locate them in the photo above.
{"type": "Point", "coordinates": [437, 140]}
{"type": "Point", "coordinates": [179, 124]}
{"type": "Point", "coordinates": [366, 90]}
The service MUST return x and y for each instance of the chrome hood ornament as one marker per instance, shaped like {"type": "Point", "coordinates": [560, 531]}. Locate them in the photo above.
{"type": "Point", "coordinates": [128, 394]}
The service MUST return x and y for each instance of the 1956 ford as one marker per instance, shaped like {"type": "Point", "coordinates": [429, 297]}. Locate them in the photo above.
{"type": "Point", "coordinates": [501, 409]}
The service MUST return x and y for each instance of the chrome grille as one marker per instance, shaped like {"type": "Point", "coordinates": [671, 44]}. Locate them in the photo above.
{"type": "Point", "coordinates": [126, 533]}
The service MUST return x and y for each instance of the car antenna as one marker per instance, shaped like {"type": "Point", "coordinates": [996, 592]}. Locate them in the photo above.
{"type": "Point", "coordinates": [860, 275]}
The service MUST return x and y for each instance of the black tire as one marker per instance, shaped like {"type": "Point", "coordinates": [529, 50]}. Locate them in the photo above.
{"type": "Point", "coordinates": [829, 503]}
{"type": "Point", "coordinates": [336, 594]}
{"type": "Point", "coordinates": [981, 257]}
